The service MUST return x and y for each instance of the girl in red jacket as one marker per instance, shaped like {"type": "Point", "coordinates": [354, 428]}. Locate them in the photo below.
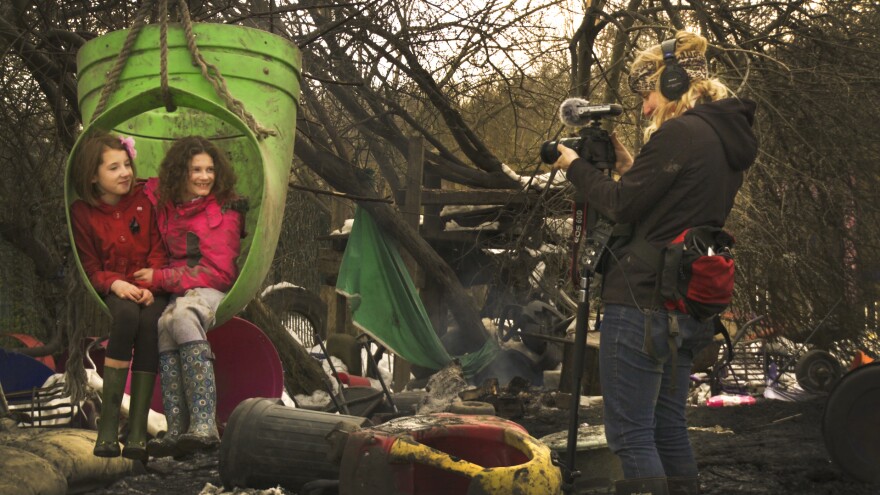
{"type": "Point", "coordinates": [201, 221]}
{"type": "Point", "coordinates": [115, 233]}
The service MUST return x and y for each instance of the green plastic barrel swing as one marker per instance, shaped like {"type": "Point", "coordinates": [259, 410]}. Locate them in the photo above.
{"type": "Point", "coordinates": [261, 70]}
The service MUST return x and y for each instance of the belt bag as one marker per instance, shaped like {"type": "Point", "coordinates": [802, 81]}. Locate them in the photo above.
{"type": "Point", "coordinates": [695, 271]}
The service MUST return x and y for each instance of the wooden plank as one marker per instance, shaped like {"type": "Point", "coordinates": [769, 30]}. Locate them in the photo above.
{"type": "Point", "coordinates": [411, 209]}
{"type": "Point", "coordinates": [432, 223]}
{"type": "Point", "coordinates": [412, 203]}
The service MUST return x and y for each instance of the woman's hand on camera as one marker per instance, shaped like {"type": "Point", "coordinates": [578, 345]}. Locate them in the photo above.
{"type": "Point", "coordinates": [624, 158]}
{"type": "Point", "coordinates": [566, 156]}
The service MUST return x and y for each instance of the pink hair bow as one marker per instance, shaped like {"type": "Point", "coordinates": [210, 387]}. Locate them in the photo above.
{"type": "Point", "coordinates": [128, 144]}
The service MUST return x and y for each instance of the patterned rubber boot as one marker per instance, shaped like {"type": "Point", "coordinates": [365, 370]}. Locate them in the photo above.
{"type": "Point", "coordinates": [107, 444]}
{"type": "Point", "coordinates": [176, 413]}
{"type": "Point", "coordinates": [201, 395]}
{"type": "Point", "coordinates": [142, 384]}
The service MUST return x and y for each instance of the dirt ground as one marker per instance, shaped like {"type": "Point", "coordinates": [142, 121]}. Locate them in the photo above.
{"type": "Point", "coordinates": [775, 447]}
{"type": "Point", "coordinates": [772, 447]}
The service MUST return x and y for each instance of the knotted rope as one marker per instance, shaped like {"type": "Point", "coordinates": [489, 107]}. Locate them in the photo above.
{"type": "Point", "coordinates": [163, 55]}
{"type": "Point", "coordinates": [216, 79]}
{"type": "Point", "coordinates": [209, 71]}
{"type": "Point", "coordinates": [113, 75]}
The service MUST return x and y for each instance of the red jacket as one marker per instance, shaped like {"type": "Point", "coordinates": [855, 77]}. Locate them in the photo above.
{"type": "Point", "coordinates": [203, 240]}
{"type": "Point", "coordinates": [114, 241]}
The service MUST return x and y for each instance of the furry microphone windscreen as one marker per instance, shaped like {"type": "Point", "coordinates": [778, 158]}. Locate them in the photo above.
{"type": "Point", "coordinates": [570, 111]}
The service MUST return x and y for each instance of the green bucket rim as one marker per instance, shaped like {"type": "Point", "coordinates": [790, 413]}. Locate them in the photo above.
{"type": "Point", "coordinates": [280, 50]}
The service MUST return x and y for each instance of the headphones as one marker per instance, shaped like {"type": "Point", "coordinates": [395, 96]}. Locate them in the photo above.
{"type": "Point", "coordinates": [674, 81]}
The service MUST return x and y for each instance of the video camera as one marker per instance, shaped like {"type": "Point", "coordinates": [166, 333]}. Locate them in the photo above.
{"type": "Point", "coordinates": [593, 143]}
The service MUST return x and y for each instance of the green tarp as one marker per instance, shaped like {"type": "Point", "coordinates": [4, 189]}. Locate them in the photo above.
{"type": "Point", "coordinates": [385, 303]}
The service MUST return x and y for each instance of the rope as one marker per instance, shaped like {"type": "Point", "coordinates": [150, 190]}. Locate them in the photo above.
{"type": "Point", "coordinates": [75, 376]}
{"type": "Point", "coordinates": [163, 57]}
{"type": "Point", "coordinates": [217, 80]}
{"type": "Point", "coordinates": [209, 71]}
{"type": "Point", "coordinates": [113, 75]}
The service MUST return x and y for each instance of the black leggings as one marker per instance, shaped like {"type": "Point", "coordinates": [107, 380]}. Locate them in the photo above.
{"type": "Point", "coordinates": [135, 326]}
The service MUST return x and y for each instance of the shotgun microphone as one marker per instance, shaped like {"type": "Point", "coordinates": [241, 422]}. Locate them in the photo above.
{"type": "Point", "coordinates": [577, 112]}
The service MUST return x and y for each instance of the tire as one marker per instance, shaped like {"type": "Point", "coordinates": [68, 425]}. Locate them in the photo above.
{"type": "Point", "coordinates": [408, 401]}
{"type": "Point", "coordinates": [850, 427]}
{"type": "Point", "coordinates": [472, 407]}
{"type": "Point", "coordinates": [817, 371]}
{"type": "Point", "coordinates": [302, 312]}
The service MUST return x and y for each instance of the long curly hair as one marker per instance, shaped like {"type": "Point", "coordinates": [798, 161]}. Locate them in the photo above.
{"type": "Point", "coordinates": [174, 170]}
{"type": "Point", "coordinates": [88, 159]}
{"type": "Point", "coordinates": [709, 89]}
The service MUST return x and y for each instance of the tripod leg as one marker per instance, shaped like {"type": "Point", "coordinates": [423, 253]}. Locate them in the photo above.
{"type": "Point", "coordinates": [580, 341]}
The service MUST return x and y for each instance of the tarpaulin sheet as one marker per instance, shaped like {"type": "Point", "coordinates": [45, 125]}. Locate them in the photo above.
{"type": "Point", "coordinates": [385, 303]}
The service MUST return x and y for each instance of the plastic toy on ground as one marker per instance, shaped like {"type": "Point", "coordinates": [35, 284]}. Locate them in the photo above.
{"type": "Point", "coordinates": [447, 454]}
{"type": "Point", "coordinates": [32, 342]}
{"type": "Point", "coordinates": [19, 372]}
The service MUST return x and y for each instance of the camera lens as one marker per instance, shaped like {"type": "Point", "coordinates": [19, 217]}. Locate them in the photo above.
{"type": "Point", "coordinates": [549, 153]}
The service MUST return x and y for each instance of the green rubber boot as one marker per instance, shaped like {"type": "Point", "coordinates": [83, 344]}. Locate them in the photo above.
{"type": "Point", "coordinates": [107, 444]}
{"type": "Point", "coordinates": [142, 384]}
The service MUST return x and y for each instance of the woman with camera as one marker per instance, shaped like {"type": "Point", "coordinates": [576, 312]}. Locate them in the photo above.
{"type": "Point", "coordinates": [698, 143]}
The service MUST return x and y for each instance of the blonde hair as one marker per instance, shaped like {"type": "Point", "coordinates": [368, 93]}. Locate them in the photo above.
{"type": "Point", "coordinates": [708, 89]}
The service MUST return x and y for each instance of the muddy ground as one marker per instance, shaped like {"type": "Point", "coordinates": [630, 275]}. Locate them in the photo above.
{"type": "Point", "coordinates": [772, 447]}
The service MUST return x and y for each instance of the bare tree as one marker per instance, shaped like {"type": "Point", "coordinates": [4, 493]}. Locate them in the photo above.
{"type": "Point", "coordinates": [480, 82]}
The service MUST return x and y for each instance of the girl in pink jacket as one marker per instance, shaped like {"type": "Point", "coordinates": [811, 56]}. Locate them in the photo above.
{"type": "Point", "coordinates": [201, 220]}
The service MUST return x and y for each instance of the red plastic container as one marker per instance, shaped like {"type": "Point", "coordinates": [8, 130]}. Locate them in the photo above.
{"type": "Point", "coordinates": [730, 400]}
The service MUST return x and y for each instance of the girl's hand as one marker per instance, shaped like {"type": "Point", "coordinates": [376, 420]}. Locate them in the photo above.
{"type": "Point", "coordinates": [144, 275]}
{"type": "Point", "coordinates": [125, 290]}
{"type": "Point", "coordinates": [147, 297]}
{"type": "Point", "coordinates": [624, 158]}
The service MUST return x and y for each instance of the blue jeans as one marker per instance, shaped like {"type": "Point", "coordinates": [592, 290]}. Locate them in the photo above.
{"type": "Point", "coordinates": [645, 392]}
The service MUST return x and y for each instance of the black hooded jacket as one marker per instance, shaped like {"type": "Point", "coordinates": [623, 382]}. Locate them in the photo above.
{"type": "Point", "coordinates": [686, 175]}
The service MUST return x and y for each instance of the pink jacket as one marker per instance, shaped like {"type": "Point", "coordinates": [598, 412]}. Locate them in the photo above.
{"type": "Point", "coordinates": [203, 240]}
